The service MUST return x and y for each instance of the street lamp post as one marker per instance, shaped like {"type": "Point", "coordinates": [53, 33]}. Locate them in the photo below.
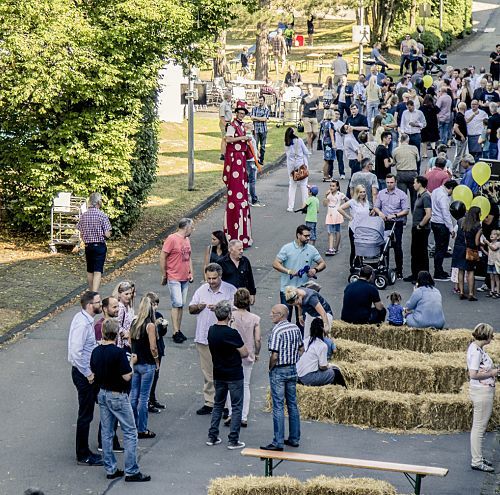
{"type": "Point", "coordinates": [362, 28]}
{"type": "Point", "coordinates": [190, 100]}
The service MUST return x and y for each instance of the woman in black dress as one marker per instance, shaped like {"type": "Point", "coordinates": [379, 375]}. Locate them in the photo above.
{"type": "Point", "coordinates": [468, 235]}
{"type": "Point", "coordinates": [430, 133]}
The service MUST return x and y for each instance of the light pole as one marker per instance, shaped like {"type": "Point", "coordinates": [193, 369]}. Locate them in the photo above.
{"type": "Point", "coordinates": [362, 29]}
{"type": "Point", "coordinates": [190, 99]}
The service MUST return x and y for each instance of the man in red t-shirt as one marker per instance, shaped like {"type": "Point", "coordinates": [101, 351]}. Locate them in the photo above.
{"type": "Point", "coordinates": [177, 271]}
{"type": "Point", "coordinates": [437, 176]}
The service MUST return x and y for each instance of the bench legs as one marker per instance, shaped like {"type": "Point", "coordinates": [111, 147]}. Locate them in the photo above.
{"type": "Point", "coordinates": [269, 467]}
{"type": "Point", "coordinates": [416, 482]}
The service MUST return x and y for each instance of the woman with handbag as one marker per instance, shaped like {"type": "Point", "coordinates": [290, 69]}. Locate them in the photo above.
{"type": "Point", "coordinates": [466, 252]}
{"type": "Point", "coordinates": [297, 166]}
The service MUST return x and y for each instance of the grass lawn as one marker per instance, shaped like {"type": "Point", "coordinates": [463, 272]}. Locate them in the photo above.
{"type": "Point", "coordinates": [31, 278]}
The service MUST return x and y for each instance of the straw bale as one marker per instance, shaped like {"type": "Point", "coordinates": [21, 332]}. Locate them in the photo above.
{"type": "Point", "coordinates": [390, 410]}
{"type": "Point", "coordinates": [323, 485]}
{"type": "Point", "coordinates": [451, 340]}
{"type": "Point", "coordinates": [255, 485]}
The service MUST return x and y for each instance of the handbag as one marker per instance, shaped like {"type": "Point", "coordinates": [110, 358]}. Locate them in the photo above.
{"type": "Point", "coordinates": [300, 126]}
{"type": "Point", "coordinates": [319, 147]}
{"type": "Point", "coordinates": [301, 172]}
{"type": "Point", "coordinates": [471, 254]}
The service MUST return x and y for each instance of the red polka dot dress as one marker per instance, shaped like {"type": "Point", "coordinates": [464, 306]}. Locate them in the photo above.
{"type": "Point", "coordinates": [237, 221]}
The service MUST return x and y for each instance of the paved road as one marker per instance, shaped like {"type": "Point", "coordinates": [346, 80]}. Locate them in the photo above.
{"type": "Point", "coordinates": [38, 406]}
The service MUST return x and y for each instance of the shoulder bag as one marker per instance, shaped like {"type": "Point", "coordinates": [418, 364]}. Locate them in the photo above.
{"type": "Point", "coordinates": [471, 254]}
{"type": "Point", "coordinates": [301, 172]}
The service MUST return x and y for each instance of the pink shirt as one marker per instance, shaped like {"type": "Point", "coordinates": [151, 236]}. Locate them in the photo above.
{"type": "Point", "coordinates": [245, 322]}
{"type": "Point", "coordinates": [436, 178]}
{"type": "Point", "coordinates": [178, 249]}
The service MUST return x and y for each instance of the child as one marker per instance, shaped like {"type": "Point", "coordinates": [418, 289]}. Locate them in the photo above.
{"type": "Point", "coordinates": [333, 199]}
{"type": "Point", "coordinates": [312, 205]}
{"type": "Point", "coordinates": [483, 139]}
{"type": "Point", "coordinates": [494, 263]}
{"type": "Point", "coordinates": [395, 310]}
{"type": "Point", "coordinates": [245, 67]}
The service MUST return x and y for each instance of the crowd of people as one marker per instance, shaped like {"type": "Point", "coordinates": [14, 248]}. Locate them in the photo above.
{"type": "Point", "coordinates": [378, 128]}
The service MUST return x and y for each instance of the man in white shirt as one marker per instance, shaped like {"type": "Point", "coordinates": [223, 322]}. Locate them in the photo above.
{"type": "Point", "coordinates": [202, 304]}
{"type": "Point", "coordinates": [225, 117]}
{"type": "Point", "coordinates": [359, 93]}
{"type": "Point", "coordinates": [474, 118]}
{"type": "Point", "coordinates": [442, 225]}
{"type": "Point", "coordinates": [412, 123]}
{"type": "Point", "coordinates": [81, 343]}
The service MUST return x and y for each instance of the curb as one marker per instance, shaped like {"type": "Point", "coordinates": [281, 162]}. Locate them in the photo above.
{"type": "Point", "coordinates": [196, 211]}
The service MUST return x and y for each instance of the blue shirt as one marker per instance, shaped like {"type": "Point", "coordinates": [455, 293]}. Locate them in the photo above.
{"type": "Point", "coordinates": [395, 314]}
{"type": "Point", "coordinates": [81, 342]}
{"type": "Point", "coordinates": [294, 257]}
{"type": "Point", "coordinates": [260, 112]}
{"type": "Point", "coordinates": [468, 180]}
{"type": "Point", "coordinates": [427, 308]}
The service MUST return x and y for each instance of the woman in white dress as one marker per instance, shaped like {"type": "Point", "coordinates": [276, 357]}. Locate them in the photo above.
{"type": "Point", "coordinates": [296, 156]}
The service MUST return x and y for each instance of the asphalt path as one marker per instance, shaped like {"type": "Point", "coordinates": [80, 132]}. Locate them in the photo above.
{"type": "Point", "coordinates": [38, 401]}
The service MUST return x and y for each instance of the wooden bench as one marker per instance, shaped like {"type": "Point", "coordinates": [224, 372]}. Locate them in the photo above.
{"type": "Point", "coordinates": [420, 472]}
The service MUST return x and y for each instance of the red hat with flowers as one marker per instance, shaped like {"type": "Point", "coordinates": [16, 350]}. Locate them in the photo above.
{"type": "Point", "coordinates": [241, 105]}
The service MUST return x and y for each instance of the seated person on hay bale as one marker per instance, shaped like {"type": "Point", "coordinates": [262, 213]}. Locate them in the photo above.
{"type": "Point", "coordinates": [359, 296]}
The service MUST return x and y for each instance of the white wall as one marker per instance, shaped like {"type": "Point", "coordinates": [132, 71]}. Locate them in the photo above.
{"type": "Point", "coordinates": [169, 100]}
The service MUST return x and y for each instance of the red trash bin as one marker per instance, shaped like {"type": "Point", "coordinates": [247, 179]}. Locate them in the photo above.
{"type": "Point", "coordinates": [299, 40]}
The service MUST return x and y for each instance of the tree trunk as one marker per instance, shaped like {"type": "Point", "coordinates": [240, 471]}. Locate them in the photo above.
{"type": "Point", "coordinates": [413, 14]}
{"type": "Point", "coordinates": [388, 15]}
{"type": "Point", "coordinates": [219, 61]}
{"type": "Point", "coordinates": [261, 51]}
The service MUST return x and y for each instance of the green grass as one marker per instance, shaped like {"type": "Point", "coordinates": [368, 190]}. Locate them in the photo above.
{"type": "Point", "coordinates": [31, 278]}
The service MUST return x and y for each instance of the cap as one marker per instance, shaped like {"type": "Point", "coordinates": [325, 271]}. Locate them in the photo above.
{"type": "Point", "coordinates": [314, 190]}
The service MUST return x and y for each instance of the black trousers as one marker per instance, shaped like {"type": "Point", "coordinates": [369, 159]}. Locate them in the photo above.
{"type": "Point", "coordinates": [87, 395]}
{"type": "Point", "coordinates": [397, 244]}
{"type": "Point", "coordinates": [441, 239]}
{"type": "Point", "coordinates": [419, 251]}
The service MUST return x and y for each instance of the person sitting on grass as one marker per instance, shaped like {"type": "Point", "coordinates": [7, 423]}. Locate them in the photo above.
{"type": "Point", "coordinates": [313, 368]}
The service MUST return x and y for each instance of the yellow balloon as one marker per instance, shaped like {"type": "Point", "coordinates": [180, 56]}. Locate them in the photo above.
{"type": "Point", "coordinates": [484, 204]}
{"type": "Point", "coordinates": [481, 173]}
{"type": "Point", "coordinates": [464, 194]}
{"type": "Point", "coordinates": [427, 80]}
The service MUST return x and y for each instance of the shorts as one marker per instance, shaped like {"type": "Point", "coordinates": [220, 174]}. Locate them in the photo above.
{"type": "Point", "coordinates": [312, 227]}
{"type": "Point", "coordinates": [310, 124]}
{"type": "Point", "coordinates": [492, 270]}
{"type": "Point", "coordinates": [333, 228]}
{"type": "Point", "coordinates": [178, 292]}
{"type": "Point", "coordinates": [95, 254]}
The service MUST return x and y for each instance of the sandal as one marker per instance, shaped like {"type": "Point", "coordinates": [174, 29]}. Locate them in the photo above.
{"type": "Point", "coordinates": [146, 434]}
{"type": "Point", "coordinates": [491, 294]}
{"type": "Point", "coordinates": [472, 298]}
{"type": "Point", "coordinates": [462, 296]}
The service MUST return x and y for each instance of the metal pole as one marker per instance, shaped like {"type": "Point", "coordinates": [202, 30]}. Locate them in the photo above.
{"type": "Point", "coordinates": [361, 28]}
{"type": "Point", "coordinates": [440, 15]}
{"type": "Point", "coordinates": [190, 100]}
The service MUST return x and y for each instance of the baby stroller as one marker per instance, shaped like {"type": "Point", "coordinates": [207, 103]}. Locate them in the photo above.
{"type": "Point", "coordinates": [372, 245]}
{"type": "Point", "coordinates": [433, 63]}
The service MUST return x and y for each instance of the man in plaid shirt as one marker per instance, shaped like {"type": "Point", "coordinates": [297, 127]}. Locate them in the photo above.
{"type": "Point", "coordinates": [260, 116]}
{"type": "Point", "coordinates": [278, 44]}
{"type": "Point", "coordinates": [95, 228]}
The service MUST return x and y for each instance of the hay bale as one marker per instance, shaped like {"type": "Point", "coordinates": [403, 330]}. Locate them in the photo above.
{"type": "Point", "coordinates": [255, 485]}
{"type": "Point", "coordinates": [389, 410]}
{"type": "Point", "coordinates": [323, 485]}
{"type": "Point", "coordinates": [405, 376]}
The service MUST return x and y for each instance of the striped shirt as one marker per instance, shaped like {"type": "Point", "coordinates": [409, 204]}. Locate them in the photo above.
{"type": "Point", "coordinates": [260, 112]}
{"type": "Point", "coordinates": [93, 225]}
{"type": "Point", "coordinates": [285, 340]}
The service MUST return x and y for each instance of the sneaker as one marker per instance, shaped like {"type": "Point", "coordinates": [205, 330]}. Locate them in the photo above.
{"type": "Point", "coordinates": [153, 409]}
{"type": "Point", "coordinates": [258, 204]}
{"type": "Point", "coordinates": [177, 338]}
{"type": "Point", "coordinates": [235, 445]}
{"type": "Point", "coordinates": [330, 252]}
{"type": "Point", "coordinates": [158, 405]}
{"type": "Point", "coordinates": [90, 460]}
{"type": "Point", "coordinates": [117, 474]}
{"type": "Point", "coordinates": [342, 177]}
{"type": "Point", "coordinates": [290, 210]}
{"type": "Point", "coordinates": [483, 467]}
{"type": "Point", "coordinates": [139, 477]}
{"type": "Point", "coordinates": [182, 336]}
{"type": "Point", "coordinates": [488, 463]}
{"type": "Point", "coordinates": [203, 411]}
{"type": "Point", "coordinates": [213, 441]}
{"type": "Point", "coordinates": [399, 276]}
{"type": "Point", "coordinates": [221, 157]}
{"type": "Point", "coordinates": [483, 288]}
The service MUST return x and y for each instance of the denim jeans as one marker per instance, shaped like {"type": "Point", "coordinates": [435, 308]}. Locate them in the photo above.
{"type": "Point", "coordinates": [283, 380]}
{"type": "Point", "coordinates": [493, 151]}
{"type": "Point", "coordinates": [260, 139]}
{"type": "Point", "coordinates": [340, 161]}
{"type": "Point", "coordinates": [416, 140]}
{"type": "Point", "coordinates": [371, 111]}
{"type": "Point", "coordinates": [235, 389]}
{"type": "Point", "coordinates": [142, 380]}
{"type": "Point", "coordinates": [86, 401]}
{"type": "Point", "coordinates": [252, 172]}
{"type": "Point", "coordinates": [444, 132]}
{"type": "Point", "coordinates": [115, 406]}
